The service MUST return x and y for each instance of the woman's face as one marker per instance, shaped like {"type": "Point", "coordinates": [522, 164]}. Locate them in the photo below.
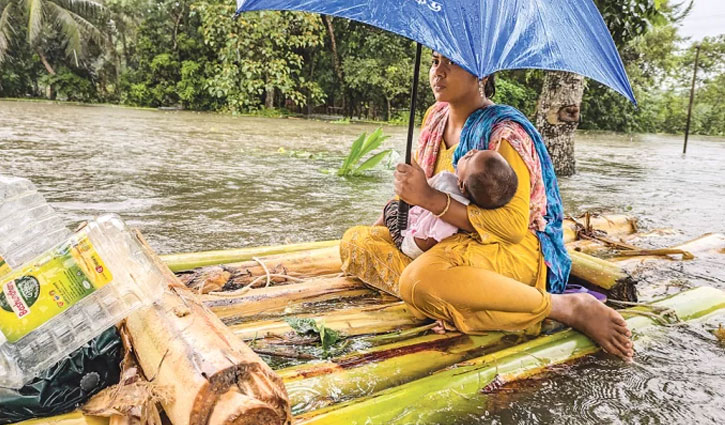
{"type": "Point", "coordinates": [450, 82]}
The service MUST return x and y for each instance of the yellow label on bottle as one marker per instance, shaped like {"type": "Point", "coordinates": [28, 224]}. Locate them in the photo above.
{"type": "Point", "coordinates": [49, 285]}
{"type": "Point", "coordinates": [4, 267]}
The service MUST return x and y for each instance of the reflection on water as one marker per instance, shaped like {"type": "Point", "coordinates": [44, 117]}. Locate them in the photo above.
{"type": "Point", "coordinates": [195, 181]}
{"type": "Point", "coordinates": [677, 377]}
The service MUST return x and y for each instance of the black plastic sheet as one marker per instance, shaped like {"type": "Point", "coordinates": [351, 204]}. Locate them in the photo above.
{"type": "Point", "coordinates": [67, 384]}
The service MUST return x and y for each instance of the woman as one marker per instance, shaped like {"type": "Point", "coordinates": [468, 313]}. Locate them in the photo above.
{"type": "Point", "coordinates": [493, 276]}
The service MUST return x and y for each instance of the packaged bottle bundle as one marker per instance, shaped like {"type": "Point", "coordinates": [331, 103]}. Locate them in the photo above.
{"type": "Point", "coordinates": [58, 290]}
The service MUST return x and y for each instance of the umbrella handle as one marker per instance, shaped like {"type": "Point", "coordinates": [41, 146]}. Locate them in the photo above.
{"type": "Point", "coordinates": [403, 207]}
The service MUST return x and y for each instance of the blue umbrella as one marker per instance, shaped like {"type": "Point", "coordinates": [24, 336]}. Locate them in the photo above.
{"type": "Point", "coordinates": [485, 36]}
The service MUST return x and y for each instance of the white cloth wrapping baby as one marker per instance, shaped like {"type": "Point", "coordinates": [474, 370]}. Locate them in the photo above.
{"type": "Point", "coordinates": [423, 224]}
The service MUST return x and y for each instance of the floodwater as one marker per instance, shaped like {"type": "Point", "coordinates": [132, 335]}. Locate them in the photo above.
{"type": "Point", "coordinates": [196, 181]}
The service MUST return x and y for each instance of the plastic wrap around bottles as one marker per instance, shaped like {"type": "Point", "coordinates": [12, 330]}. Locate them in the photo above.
{"type": "Point", "coordinates": [28, 225]}
{"type": "Point", "coordinates": [59, 290]}
{"type": "Point", "coordinates": [63, 298]}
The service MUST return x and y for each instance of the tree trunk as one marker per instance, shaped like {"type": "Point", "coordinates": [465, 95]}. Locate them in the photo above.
{"type": "Point", "coordinates": [336, 58]}
{"type": "Point", "coordinates": [269, 97]}
{"type": "Point", "coordinates": [557, 117]}
{"type": "Point", "coordinates": [48, 90]}
{"type": "Point", "coordinates": [45, 62]}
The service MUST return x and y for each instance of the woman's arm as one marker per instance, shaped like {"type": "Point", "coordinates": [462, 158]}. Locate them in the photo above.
{"type": "Point", "coordinates": [510, 222]}
{"type": "Point", "coordinates": [380, 221]}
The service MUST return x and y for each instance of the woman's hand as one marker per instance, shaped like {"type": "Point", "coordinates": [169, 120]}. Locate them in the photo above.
{"type": "Point", "coordinates": [411, 184]}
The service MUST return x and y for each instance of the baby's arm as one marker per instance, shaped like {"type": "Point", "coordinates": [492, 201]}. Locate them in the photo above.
{"type": "Point", "coordinates": [425, 244]}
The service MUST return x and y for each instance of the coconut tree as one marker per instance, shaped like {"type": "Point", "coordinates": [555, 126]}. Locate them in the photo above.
{"type": "Point", "coordinates": [71, 20]}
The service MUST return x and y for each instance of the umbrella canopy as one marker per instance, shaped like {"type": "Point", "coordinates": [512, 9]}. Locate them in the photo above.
{"type": "Point", "coordinates": [485, 36]}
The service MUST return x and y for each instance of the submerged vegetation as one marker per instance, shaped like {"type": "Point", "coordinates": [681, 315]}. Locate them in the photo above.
{"type": "Point", "coordinates": [304, 326]}
{"type": "Point", "coordinates": [191, 54]}
{"type": "Point", "coordinates": [362, 146]}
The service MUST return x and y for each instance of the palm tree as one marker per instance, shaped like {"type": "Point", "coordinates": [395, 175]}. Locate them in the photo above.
{"type": "Point", "coordinates": [71, 19]}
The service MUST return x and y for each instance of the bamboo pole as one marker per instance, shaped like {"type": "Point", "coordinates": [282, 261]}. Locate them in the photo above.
{"type": "Point", "coordinates": [602, 275]}
{"type": "Point", "coordinates": [613, 225]}
{"type": "Point", "coordinates": [350, 322]}
{"type": "Point", "coordinates": [182, 347]}
{"type": "Point", "coordinates": [192, 260]}
{"type": "Point", "coordinates": [704, 245]}
{"type": "Point", "coordinates": [277, 298]}
{"type": "Point", "coordinates": [423, 400]}
{"type": "Point", "coordinates": [276, 268]}
{"type": "Point", "coordinates": [313, 386]}
{"type": "Point", "coordinates": [692, 98]}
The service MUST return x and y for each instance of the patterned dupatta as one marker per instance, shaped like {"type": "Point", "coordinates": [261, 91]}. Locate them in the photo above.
{"type": "Point", "coordinates": [546, 210]}
{"type": "Point", "coordinates": [429, 141]}
{"type": "Point", "coordinates": [476, 134]}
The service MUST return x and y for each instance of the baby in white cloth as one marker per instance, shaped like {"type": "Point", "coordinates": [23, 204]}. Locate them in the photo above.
{"type": "Point", "coordinates": [483, 177]}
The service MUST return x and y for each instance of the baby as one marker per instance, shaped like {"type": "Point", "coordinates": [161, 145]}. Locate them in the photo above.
{"type": "Point", "coordinates": [482, 177]}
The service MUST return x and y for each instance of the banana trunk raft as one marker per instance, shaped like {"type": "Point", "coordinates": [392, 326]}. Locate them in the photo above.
{"type": "Point", "coordinates": [346, 353]}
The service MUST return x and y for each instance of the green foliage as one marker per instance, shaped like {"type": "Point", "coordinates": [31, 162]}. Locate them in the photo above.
{"type": "Point", "coordinates": [73, 21]}
{"type": "Point", "coordinates": [258, 54]}
{"type": "Point", "coordinates": [70, 86]}
{"type": "Point", "coordinates": [343, 121]}
{"type": "Point", "coordinates": [661, 73]}
{"type": "Point", "coordinates": [519, 89]}
{"type": "Point", "coordinates": [168, 62]}
{"type": "Point", "coordinates": [362, 146]}
{"type": "Point", "coordinates": [191, 53]}
{"type": "Point", "coordinates": [304, 326]}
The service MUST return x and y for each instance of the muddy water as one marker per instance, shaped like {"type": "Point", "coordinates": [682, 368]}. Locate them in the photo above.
{"type": "Point", "coordinates": [194, 181]}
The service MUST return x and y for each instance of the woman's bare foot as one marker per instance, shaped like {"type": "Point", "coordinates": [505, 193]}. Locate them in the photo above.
{"type": "Point", "coordinates": [602, 324]}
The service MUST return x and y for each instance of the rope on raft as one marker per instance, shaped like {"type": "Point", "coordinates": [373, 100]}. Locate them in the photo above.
{"type": "Point", "coordinates": [267, 275]}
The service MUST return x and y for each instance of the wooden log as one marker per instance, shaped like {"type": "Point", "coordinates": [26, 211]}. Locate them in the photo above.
{"type": "Point", "coordinates": [184, 348]}
{"type": "Point", "coordinates": [124, 420]}
{"type": "Point", "coordinates": [706, 245]}
{"type": "Point", "coordinates": [603, 276]}
{"type": "Point", "coordinates": [315, 385]}
{"type": "Point", "coordinates": [235, 408]}
{"type": "Point", "coordinates": [321, 258]}
{"type": "Point", "coordinates": [429, 399]}
{"type": "Point", "coordinates": [192, 260]}
{"type": "Point", "coordinates": [277, 268]}
{"type": "Point", "coordinates": [277, 298]}
{"type": "Point", "coordinates": [349, 322]}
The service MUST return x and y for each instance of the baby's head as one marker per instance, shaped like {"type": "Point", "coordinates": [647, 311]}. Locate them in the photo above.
{"type": "Point", "coordinates": [486, 178]}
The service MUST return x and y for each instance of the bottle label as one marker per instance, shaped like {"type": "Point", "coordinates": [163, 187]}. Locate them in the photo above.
{"type": "Point", "coordinates": [49, 285]}
{"type": "Point", "coordinates": [4, 267]}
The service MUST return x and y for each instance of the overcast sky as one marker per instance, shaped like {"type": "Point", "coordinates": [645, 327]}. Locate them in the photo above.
{"type": "Point", "coordinates": [707, 18]}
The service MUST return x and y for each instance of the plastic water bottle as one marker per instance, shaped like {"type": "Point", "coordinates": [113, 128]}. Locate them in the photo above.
{"type": "Point", "coordinates": [28, 225]}
{"type": "Point", "coordinates": [83, 283]}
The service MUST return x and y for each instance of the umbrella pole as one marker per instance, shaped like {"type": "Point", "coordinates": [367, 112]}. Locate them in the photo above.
{"type": "Point", "coordinates": [402, 205]}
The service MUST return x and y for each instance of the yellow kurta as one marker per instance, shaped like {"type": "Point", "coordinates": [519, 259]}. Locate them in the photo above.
{"type": "Point", "coordinates": [494, 279]}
